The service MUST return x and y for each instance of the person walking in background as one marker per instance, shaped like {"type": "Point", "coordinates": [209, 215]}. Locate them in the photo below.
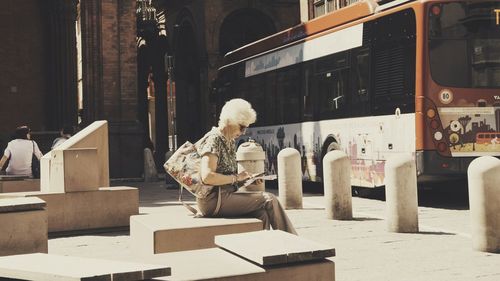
{"type": "Point", "coordinates": [219, 169]}
{"type": "Point", "coordinates": [65, 133]}
{"type": "Point", "coordinates": [19, 152]}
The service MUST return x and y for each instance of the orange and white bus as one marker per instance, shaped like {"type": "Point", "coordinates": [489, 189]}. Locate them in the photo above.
{"type": "Point", "coordinates": [420, 77]}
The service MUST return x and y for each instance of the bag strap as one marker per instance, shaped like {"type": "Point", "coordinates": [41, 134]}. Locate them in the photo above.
{"type": "Point", "coordinates": [193, 210]}
{"type": "Point", "coordinates": [197, 213]}
{"type": "Point", "coordinates": [219, 199]}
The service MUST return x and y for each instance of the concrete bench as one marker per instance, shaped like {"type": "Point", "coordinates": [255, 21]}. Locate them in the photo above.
{"type": "Point", "coordinates": [81, 163]}
{"type": "Point", "coordinates": [268, 248]}
{"type": "Point", "coordinates": [107, 207]}
{"type": "Point", "coordinates": [217, 264]}
{"type": "Point", "coordinates": [23, 226]}
{"type": "Point", "coordinates": [54, 267]}
{"type": "Point", "coordinates": [19, 185]}
{"type": "Point", "coordinates": [177, 231]}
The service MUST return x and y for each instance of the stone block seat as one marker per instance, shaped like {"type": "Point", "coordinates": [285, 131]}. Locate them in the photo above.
{"type": "Point", "coordinates": [107, 207]}
{"type": "Point", "coordinates": [18, 184]}
{"type": "Point", "coordinates": [23, 226]}
{"type": "Point", "coordinates": [53, 267]}
{"type": "Point", "coordinates": [74, 184]}
{"type": "Point", "coordinates": [175, 231]}
{"type": "Point", "coordinates": [254, 256]}
{"type": "Point", "coordinates": [274, 247]}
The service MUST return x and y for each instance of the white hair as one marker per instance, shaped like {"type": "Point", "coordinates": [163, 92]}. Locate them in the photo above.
{"type": "Point", "coordinates": [237, 112]}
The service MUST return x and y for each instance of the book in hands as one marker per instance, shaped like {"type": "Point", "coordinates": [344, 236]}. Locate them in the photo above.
{"type": "Point", "coordinates": [255, 177]}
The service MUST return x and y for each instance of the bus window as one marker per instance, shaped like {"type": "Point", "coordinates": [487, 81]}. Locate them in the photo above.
{"type": "Point", "coordinates": [287, 96]}
{"type": "Point", "coordinates": [332, 92]}
{"type": "Point", "coordinates": [269, 82]}
{"type": "Point", "coordinates": [255, 94]}
{"type": "Point", "coordinates": [361, 80]}
{"type": "Point", "coordinates": [393, 68]}
{"type": "Point", "coordinates": [464, 40]}
{"type": "Point", "coordinates": [307, 98]}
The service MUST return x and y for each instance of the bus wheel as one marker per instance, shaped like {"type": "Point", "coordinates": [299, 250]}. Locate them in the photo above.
{"type": "Point", "coordinates": [327, 147]}
{"type": "Point", "coordinates": [332, 146]}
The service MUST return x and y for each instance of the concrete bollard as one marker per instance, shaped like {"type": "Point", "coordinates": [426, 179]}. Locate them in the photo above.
{"type": "Point", "coordinates": [290, 178]}
{"type": "Point", "coordinates": [250, 157]}
{"type": "Point", "coordinates": [337, 185]}
{"type": "Point", "coordinates": [484, 201]}
{"type": "Point", "coordinates": [150, 173]}
{"type": "Point", "coordinates": [401, 194]}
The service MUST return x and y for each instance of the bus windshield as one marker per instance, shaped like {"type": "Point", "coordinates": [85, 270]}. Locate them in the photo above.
{"type": "Point", "coordinates": [464, 44]}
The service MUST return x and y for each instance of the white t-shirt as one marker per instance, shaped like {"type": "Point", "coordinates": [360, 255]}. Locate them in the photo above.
{"type": "Point", "coordinates": [20, 152]}
{"type": "Point", "coordinates": [58, 142]}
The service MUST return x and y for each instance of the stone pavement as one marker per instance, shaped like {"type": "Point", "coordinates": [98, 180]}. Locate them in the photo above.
{"type": "Point", "coordinates": [365, 250]}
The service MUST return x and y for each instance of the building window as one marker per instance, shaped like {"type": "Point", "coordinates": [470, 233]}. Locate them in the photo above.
{"type": "Point", "coordinates": [331, 5]}
{"type": "Point", "coordinates": [319, 8]}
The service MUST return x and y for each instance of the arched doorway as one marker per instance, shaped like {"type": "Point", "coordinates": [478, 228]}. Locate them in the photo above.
{"type": "Point", "coordinates": [242, 27]}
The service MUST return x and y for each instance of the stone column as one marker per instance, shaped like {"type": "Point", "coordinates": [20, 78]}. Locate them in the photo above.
{"type": "Point", "coordinates": [90, 15]}
{"type": "Point", "coordinates": [109, 53]}
{"type": "Point", "coordinates": [62, 67]}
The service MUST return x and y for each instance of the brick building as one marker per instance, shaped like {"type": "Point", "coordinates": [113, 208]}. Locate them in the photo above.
{"type": "Point", "coordinates": [65, 57]}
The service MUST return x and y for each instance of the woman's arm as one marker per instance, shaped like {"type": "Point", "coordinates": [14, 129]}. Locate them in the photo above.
{"type": "Point", "coordinates": [2, 161]}
{"type": "Point", "coordinates": [210, 177]}
{"type": "Point", "coordinates": [37, 151]}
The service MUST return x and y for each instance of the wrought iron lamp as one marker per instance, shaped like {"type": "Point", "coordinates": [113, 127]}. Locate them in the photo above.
{"type": "Point", "coordinates": [147, 23]}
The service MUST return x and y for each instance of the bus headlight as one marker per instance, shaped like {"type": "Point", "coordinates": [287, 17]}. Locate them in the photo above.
{"type": "Point", "coordinates": [438, 136]}
{"type": "Point", "coordinates": [455, 126]}
{"type": "Point", "coordinates": [431, 113]}
{"type": "Point", "coordinates": [454, 138]}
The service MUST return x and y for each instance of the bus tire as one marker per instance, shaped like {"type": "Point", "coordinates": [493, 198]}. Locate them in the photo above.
{"type": "Point", "coordinates": [332, 146]}
{"type": "Point", "coordinates": [329, 145]}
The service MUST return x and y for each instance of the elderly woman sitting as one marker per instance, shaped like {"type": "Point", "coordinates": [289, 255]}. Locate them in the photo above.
{"type": "Point", "coordinates": [219, 168]}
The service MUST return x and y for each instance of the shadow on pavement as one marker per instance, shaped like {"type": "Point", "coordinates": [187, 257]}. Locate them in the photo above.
{"type": "Point", "coordinates": [436, 233]}
{"type": "Point", "coordinates": [366, 219]}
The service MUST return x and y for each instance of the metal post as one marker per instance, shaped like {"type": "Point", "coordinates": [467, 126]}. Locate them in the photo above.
{"type": "Point", "coordinates": [171, 110]}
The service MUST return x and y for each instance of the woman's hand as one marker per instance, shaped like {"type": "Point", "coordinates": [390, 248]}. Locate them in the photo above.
{"type": "Point", "coordinates": [259, 181]}
{"type": "Point", "coordinates": [243, 176]}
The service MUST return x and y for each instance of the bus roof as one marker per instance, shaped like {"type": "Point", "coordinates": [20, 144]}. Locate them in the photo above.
{"type": "Point", "coordinates": [347, 14]}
